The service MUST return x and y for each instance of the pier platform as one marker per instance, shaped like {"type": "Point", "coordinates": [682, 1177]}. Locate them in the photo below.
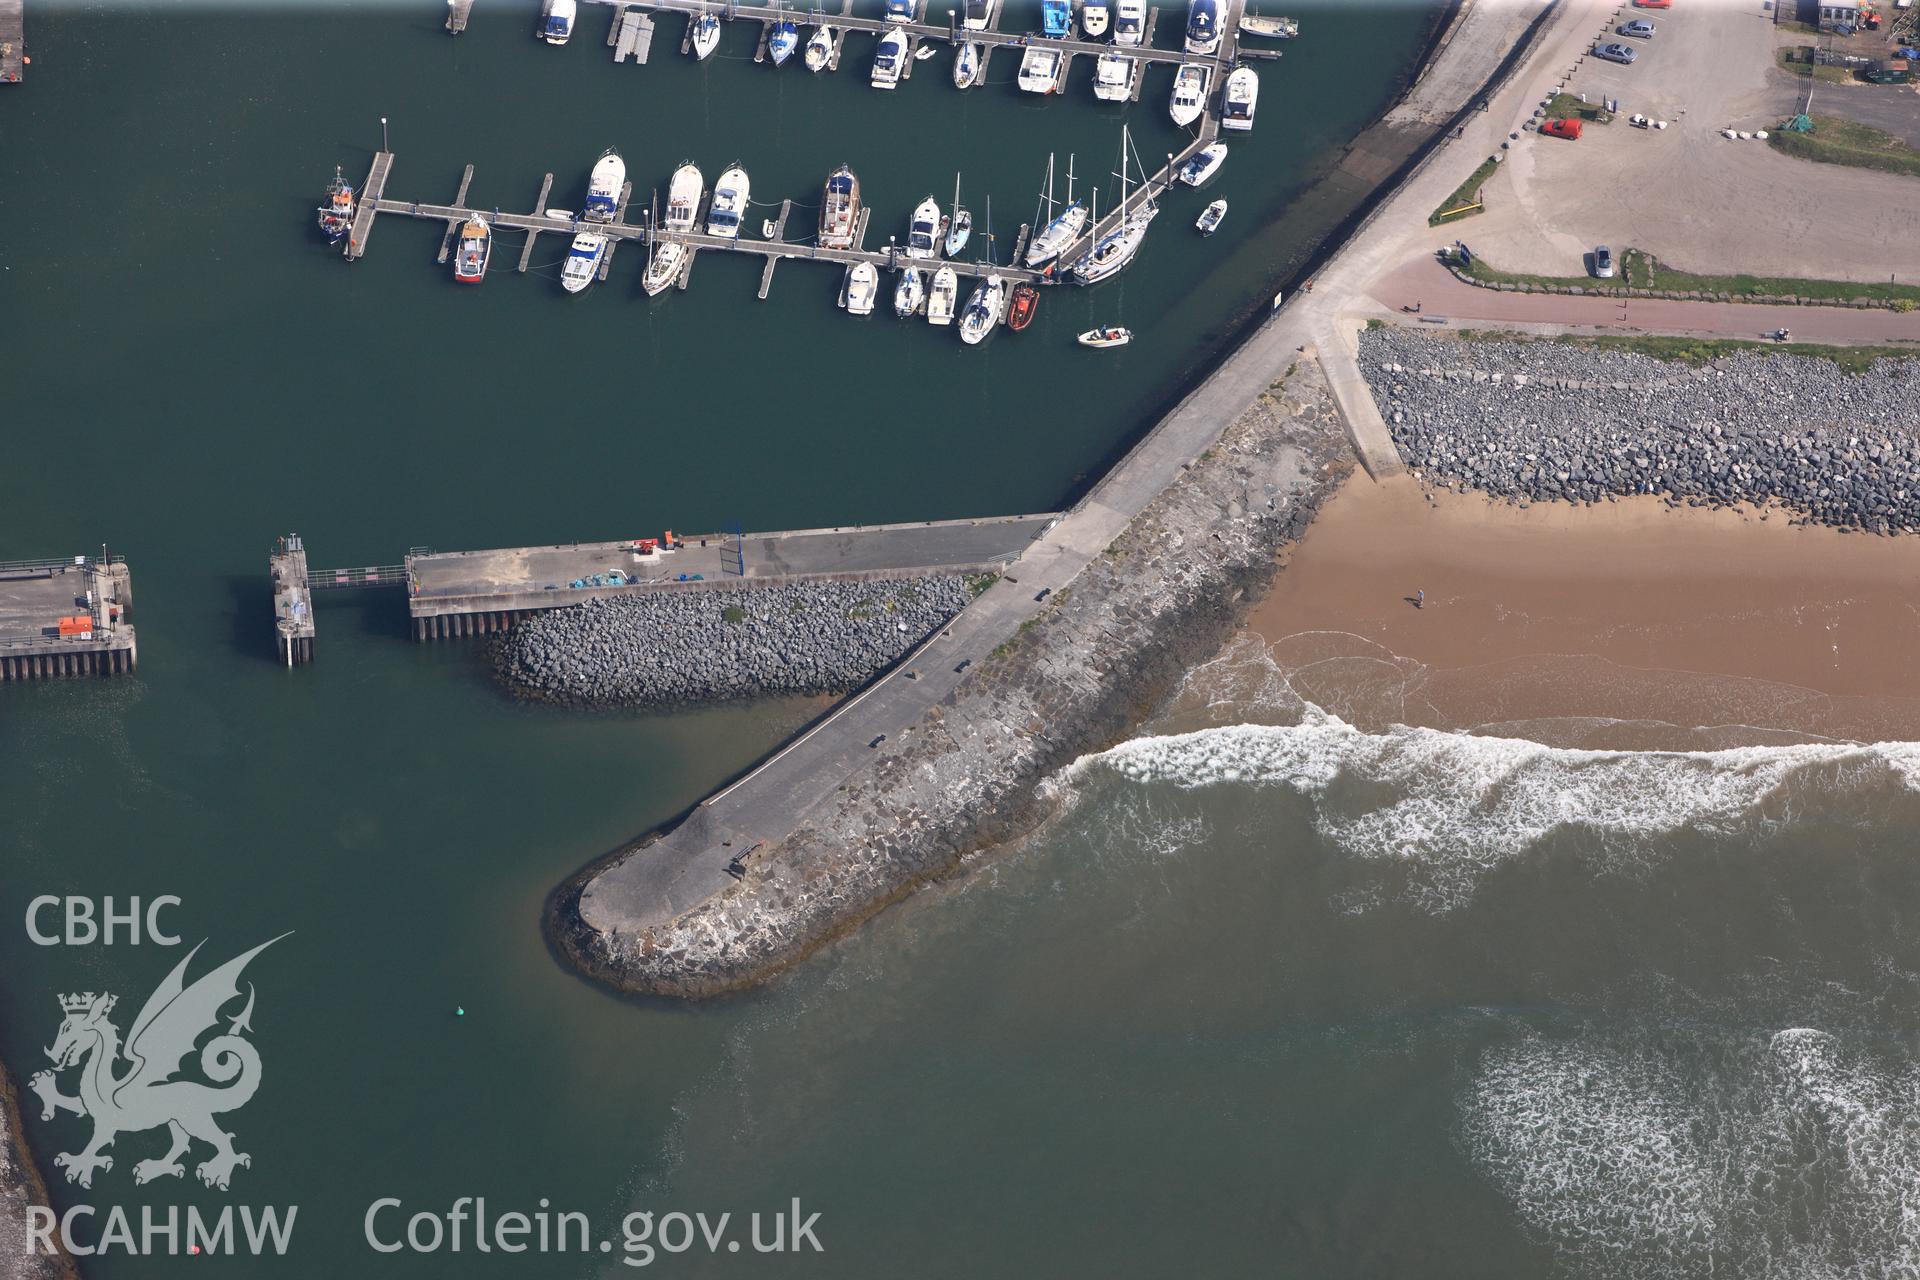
{"type": "Point", "coordinates": [458, 11]}
{"type": "Point", "coordinates": [292, 600]}
{"type": "Point", "coordinates": [13, 41]}
{"type": "Point", "coordinates": [65, 618]}
{"type": "Point", "coordinates": [470, 592]}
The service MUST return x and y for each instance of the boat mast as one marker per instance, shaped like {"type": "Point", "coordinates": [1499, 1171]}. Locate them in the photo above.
{"type": "Point", "coordinates": [1069, 177]}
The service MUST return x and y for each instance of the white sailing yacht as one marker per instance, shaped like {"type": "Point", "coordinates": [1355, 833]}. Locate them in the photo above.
{"type": "Point", "coordinates": [1117, 247]}
{"type": "Point", "coordinates": [820, 48]}
{"type": "Point", "coordinates": [910, 293]}
{"type": "Point", "coordinates": [983, 310]}
{"type": "Point", "coordinates": [1059, 231]}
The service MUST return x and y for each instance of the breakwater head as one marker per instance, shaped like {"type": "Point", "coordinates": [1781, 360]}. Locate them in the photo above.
{"type": "Point", "coordinates": [1539, 420]}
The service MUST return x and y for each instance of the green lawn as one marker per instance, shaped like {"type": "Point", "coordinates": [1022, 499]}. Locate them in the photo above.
{"type": "Point", "coordinates": [1837, 141]}
{"type": "Point", "coordinates": [1699, 351]}
{"type": "Point", "coordinates": [1453, 208]}
{"type": "Point", "coordinates": [1798, 62]}
{"type": "Point", "coordinates": [1566, 106]}
{"type": "Point", "coordinates": [1641, 271]}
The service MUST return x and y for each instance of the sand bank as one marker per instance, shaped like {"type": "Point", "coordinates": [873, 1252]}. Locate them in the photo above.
{"type": "Point", "coordinates": [1627, 624]}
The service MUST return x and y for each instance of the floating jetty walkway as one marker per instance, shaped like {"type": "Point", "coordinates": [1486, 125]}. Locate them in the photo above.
{"type": "Point", "coordinates": [65, 618]}
{"type": "Point", "coordinates": [461, 593]}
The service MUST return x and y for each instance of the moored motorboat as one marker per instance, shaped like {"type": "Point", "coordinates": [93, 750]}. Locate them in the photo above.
{"type": "Point", "coordinates": [966, 64]}
{"type": "Point", "coordinates": [663, 268]}
{"type": "Point", "coordinates": [900, 10]}
{"type": "Point", "coordinates": [730, 198]}
{"type": "Point", "coordinates": [839, 209]}
{"type": "Point", "coordinates": [683, 197]}
{"type": "Point", "coordinates": [820, 48]}
{"type": "Point", "coordinates": [983, 310]}
{"type": "Point", "coordinates": [706, 36]}
{"type": "Point", "coordinates": [1056, 19]}
{"type": "Point", "coordinates": [910, 293]}
{"type": "Point", "coordinates": [1209, 220]}
{"type": "Point", "coordinates": [1129, 22]}
{"type": "Point", "coordinates": [783, 40]}
{"type": "Point", "coordinates": [889, 56]}
{"type": "Point", "coordinates": [1203, 27]}
{"type": "Point", "coordinates": [1240, 99]}
{"type": "Point", "coordinates": [583, 261]}
{"type": "Point", "coordinates": [604, 186]}
{"type": "Point", "coordinates": [1189, 92]}
{"type": "Point", "coordinates": [473, 250]}
{"type": "Point", "coordinates": [1094, 15]}
{"type": "Point", "coordinates": [1040, 69]}
{"type": "Point", "coordinates": [1112, 77]}
{"type": "Point", "coordinates": [1111, 336]}
{"type": "Point", "coordinates": [1272, 28]}
{"type": "Point", "coordinates": [923, 232]}
{"type": "Point", "coordinates": [1203, 164]}
{"type": "Point", "coordinates": [942, 296]}
{"type": "Point", "coordinates": [1025, 302]}
{"type": "Point", "coordinates": [336, 211]}
{"type": "Point", "coordinates": [978, 15]}
{"type": "Point", "coordinates": [556, 21]}
{"type": "Point", "coordinates": [858, 287]}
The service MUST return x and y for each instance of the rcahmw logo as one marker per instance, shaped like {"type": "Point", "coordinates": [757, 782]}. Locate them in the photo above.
{"type": "Point", "coordinates": [137, 1084]}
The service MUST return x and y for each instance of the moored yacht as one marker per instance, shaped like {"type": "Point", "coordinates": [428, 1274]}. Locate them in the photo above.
{"type": "Point", "coordinates": [820, 49]}
{"type": "Point", "coordinates": [966, 64]}
{"type": "Point", "coordinates": [839, 209]}
{"type": "Point", "coordinates": [706, 36]}
{"type": "Point", "coordinates": [1056, 19]}
{"type": "Point", "coordinates": [1243, 94]}
{"type": "Point", "coordinates": [1129, 21]}
{"type": "Point", "coordinates": [960, 230]}
{"type": "Point", "coordinates": [683, 197]}
{"type": "Point", "coordinates": [942, 296]}
{"type": "Point", "coordinates": [923, 232]}
{"type": "Point", "coordinates": [583, 261]}
{"type": "Point", "coordinates": [1112, 77]}
{"type": "Point", "coordinates": [1203, 164]}
{"type": "Point", "coordinates": [1189, 92]}
{"type": "Point", "coordinates": [603, 187]}
{"type": "Point", "coordinates": [1058, 236]}
{"type": "Point", "coordinates": [909, 293]}
{"type": "Point", "coordinates": [1040, 69]}
{"type": "Point", "coordinates": [730, 193]}
{"type": "Point", "coordinates": [899, 10]}
{"type": "Point", "coordinates": [336, 213]}
{"type": "Point", "coordinates": [663, 268]}
{"type": "Point", "coordinates": [858, 288]}
{"type": "Point", "coordinates": [978, 15]}
{"type": "Point", "coordinates": [783, 40]}
{"type": "Point", "coordinates": [983, 310]}
{"type": "Point", "coordinates": [1115, 249]}
{"type": "Point", "coordinates": [889, 56]}
{"type": "Point", "coordinates": [1203, 26]}
{"type": "Point", "coordinates": [1094, 16]}
{"type": "Point", "coordinates": [473, 250]}
{"type": "Point", "coordinates": [556, 20]}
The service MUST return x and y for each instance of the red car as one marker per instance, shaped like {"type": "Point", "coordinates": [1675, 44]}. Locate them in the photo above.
{"type": "Point", "coordinates": [1569, 129]}
{"type": "Point", "coordinates": [1653, 4]}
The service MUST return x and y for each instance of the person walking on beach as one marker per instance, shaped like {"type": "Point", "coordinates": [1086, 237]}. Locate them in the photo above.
{"type": "Point", "coordinates": [1420, 599]}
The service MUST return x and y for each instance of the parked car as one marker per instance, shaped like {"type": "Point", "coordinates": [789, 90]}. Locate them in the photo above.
{"type": "Point", "coordinates": [1558, 128]}
{"type": "Point", "coordinates": [1615, 52]}
{"type": "Point", "coordinates": [1653, 4]}
{"type": "Point", "coordinates": [1892, 71]}
{"type": "Point", "coordinates": [1602, 263]}
{"type": "Point", "coordinates": [1639, 29]}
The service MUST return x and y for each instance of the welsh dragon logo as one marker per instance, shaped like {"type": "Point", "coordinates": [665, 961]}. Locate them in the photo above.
{"type": "Point", "coordinates": [145, 1094]}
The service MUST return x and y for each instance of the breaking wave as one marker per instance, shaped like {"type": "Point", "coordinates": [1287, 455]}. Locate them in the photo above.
{"type": "Point", "coordinates": [1447, 808]}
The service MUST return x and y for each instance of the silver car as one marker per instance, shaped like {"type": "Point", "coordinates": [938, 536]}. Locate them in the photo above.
{"type": "Point", "coordinates": [1602, 263]}
{"type": "Point", "coordinates": [1639, 29]}
{"type": "Point", "coordinates": [1616, 53]}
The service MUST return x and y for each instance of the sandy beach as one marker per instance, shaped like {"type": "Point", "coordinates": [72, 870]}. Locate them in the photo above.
{"type": "Point", "coordinates": [1625, 625]}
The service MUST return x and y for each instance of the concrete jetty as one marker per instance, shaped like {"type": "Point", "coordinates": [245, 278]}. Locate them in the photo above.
{"type": "Point", "coordinates": [458, 11]}
{"type": "Point", "coordinates": [292, 600]}
{"type": "Point", "coordinates": [65, 617]}
{"type": "Point", "coordinates": [13, 41]}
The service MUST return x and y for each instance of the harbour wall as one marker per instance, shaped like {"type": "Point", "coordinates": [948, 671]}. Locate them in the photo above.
{"type": "Point", "coordinates": [21, 1186]}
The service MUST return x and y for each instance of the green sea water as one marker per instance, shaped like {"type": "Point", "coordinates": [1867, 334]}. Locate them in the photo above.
{"type": "Point", "coordinates": [190, 370]}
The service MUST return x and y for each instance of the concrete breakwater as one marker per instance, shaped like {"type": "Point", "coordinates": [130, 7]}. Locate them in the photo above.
{"type": "Point", "coordinates": [20, 1187]}
{"type": "Point", "coordinates": [697, 646]}
{"type": "Point", "coordinates": [1541, 420]}
{"type": "Point", "coordinates": [1162, 596]}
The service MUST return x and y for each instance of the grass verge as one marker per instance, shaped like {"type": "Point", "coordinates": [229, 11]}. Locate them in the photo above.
{"type": "Point", "coordinates": [1641, 270]}
{"type": "Point", "coordinates": [1568, 106]}
{"type": "Point", "coordinates": [1799, 62]}
{"type": "Point", "coordinates": [1837, 141]}
{"type": "Point", "coordinates": [1456, 206]}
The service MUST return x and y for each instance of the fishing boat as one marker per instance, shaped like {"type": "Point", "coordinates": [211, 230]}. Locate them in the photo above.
{"type": "Point", "coordinates": [583, 261]}
{"type": "Point", "coordinates": [1129, 22]}
{"type": "Point", "coordinates": [663, 268]}
{"type": "Point", "coordinates": [899, 10]}
{"type": "Point", "coordinates": [683, 197]}
{"type": "Point", "coordinates": [889, 56]}
{"type": "Point", "coordinates": [1203, 164]}
{"type": "Point", "coordinates": [556, 21]}
{"type": "Point", "coordinates": [1057, 231]}
{"type": "Point", "coordinates": [966, 64]}
{"type": "Point", "coordinates": [923, 232]}
{"type": "Point", "coordinates": [1272, 28]}
{"type": "Point", "coordinates": [941, 297]}
{"type": "Point", "coordinates": [1056, 19]}
{"type": "Point", "coordinates": [960, 227]}
{"type": "Point", "coordinates": [983, 310]}
{"type": "Point", "coordinates": [1112, 77]}
{"type": "Point", "coordinates": [1040, 70]}
{"type": "Point", "coordinates": [910, 293]}
{"type": "Point", "coordinates": [820, 49]}
{"type": "Point", "coordinates": [979, 14]}
{"type": "Point", "coordinates": [1209, 220]}
{"type": "Point", "coordinates": [1094, 16]}
{"type": "Point", "coordinates": [604, 186]}
{"type": "Point", "coordinates": [1203, 27]}
{"type": "Point", "coordinates": [839, 209]}
{"type": "Point", "coordinates": [1020, 311]}
{"type": "Point", "coordinates": [730, 199]}
{"type": "Point", "coordinates": [1108, 337]}
{"type": "Point", "coordinates": [336, 214]}
{"type": "Point", "coordinates": [858, 288]}
{"type": "Point", "coordinates": [706, 36]}
{"type": "Point", "coordinates": [471, 253]}
{"type": "Point", "coordinates": [783, 40]}
{"type": "Point", "coordinates": [1243, 94]}
{"type": "Point", "coordinates": [1190, 92]}
{"type": "Point", "coordinates": [1114, 250]}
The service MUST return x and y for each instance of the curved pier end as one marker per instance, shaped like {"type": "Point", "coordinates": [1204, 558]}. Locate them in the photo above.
{"type": "Point", "coordinates": [1049, 681]}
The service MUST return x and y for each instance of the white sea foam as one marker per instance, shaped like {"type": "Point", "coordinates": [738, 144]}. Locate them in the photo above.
{"type": "Point", "coordinates": [1452, 806]}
